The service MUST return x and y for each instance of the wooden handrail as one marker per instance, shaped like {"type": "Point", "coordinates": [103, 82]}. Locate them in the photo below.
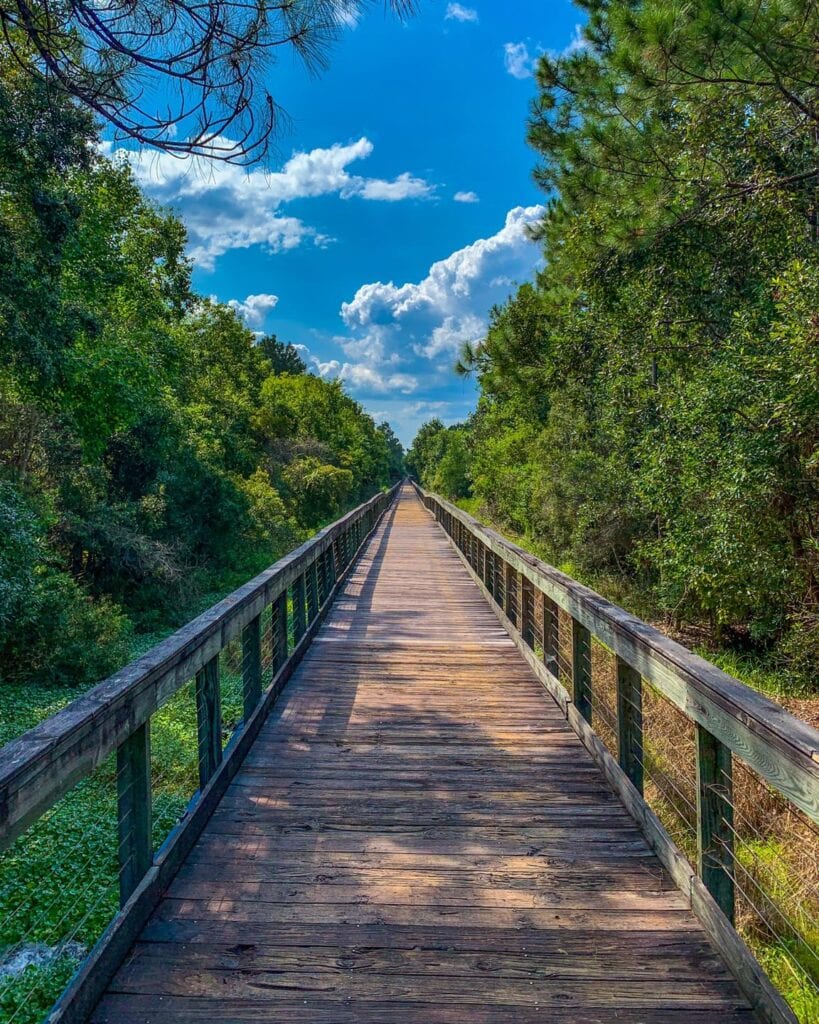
{"type": "Point", "coordinates": [44, 763]}
{"type": "Point", "coordinates": [779, 747]}
{"type": "Point", "coordinates": [728, 717]}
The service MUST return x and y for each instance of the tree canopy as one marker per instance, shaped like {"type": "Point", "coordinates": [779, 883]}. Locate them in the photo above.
{"type": "Point", "coordinates": [151, 451]}
{"type": "Point", "coordinates": [650, 406]}
{"type": "Point", "coordinates": [180, 76]}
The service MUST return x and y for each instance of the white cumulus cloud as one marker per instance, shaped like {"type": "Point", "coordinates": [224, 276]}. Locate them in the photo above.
{"type": "Point", "coordinates": [402, 336]}
{"type": "Point", "coordinates": [577, 42]}
{"type": "Point", "coordinates": [467, 197]}
{"type": "Point", "coordinates": [457, 12]}
{"type": "Point", "coordinates": [254, 309]}
{"type": "Point", "coordinates": [226, 207]}
{"type": "Point", "coordinates": [517, 60]}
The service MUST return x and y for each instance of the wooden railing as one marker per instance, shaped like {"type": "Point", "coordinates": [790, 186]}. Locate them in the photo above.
{"type": "Point", "coordinates": [556, 622]}
{"type": "Point", "coordinates": [36, 770]}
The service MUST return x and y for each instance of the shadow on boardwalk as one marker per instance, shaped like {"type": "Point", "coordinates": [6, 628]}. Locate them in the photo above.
{"type": "Point", "coordinates": [417, 836]}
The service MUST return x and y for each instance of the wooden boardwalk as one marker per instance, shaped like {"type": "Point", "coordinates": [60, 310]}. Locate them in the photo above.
{"type": "Point", "coordinates": [418, 836]}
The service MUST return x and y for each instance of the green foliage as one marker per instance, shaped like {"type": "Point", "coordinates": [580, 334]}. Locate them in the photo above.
{"type": "Point", "coordinates": [649, 407]}
{"type": "Point", "coordinates": [441, 459]}
{"type": "Point", "coordinates": [152, 454]}
{"type": "Point", "coordinates": [283, 358]}
{"type": "Point", "coordinates": [59, 883]}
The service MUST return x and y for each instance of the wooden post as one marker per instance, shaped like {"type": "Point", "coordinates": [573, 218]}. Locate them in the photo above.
{"type": "Point", "coordinates": [209, 720]}
{"type": "Point", "coordinates": [581, 669]}
{"type": "Point", "coordinates": [299, 612]}
{"type": "Point", "coordinates": [715, 819]}
{"type": "Point", "coordinates": [527, 609]}
{"type": "Point", "coordinates": [630, 722]}
{"type": "Point", "coordinates": [508, 583]}
{"type": "Point", "coordinates": [330, 566]}
{"type": "Point", "coordinates": [494, 589]}
{"type": "Point", "coordinates": [551, 636]}
{"type": "Point", "coordinates": [313, 603]}
{"type": "Point", "coordinates": [134, 810]}
{"type": "Point", "coordinates": [278, 632]}
{"type": "Point", "coordinates": [251, 666]}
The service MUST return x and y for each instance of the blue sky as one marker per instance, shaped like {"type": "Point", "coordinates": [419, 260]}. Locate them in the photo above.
{"type": "Point", "coordinates": [393, 215]}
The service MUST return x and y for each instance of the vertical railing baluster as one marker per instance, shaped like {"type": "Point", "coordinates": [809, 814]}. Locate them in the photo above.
{"type": "Point", "coordinates": [251, 666]}
{"type": "Point", "coordinates": [299, 611]}
{"type": "Point", "coordinates": [630, 722]}
{"type": "Point", "coordinates": [508, 583]}
{"type": "Point", "coordinates": [134, 809]}
{"type": "Point", "coordinates": [313, 603]}
{"type": "Point", "coordinates": [551, 635]}
{"type": "Point", "coordinates": [715, 819]}
{"type": "Point", "coordinates": [278, 632]}
{"type": "Point", "coordinates": [527, 619]}
{"type": "Point", "coordinates": [581, 674]}
{"type": "Point", "coordinates": [209, 720]}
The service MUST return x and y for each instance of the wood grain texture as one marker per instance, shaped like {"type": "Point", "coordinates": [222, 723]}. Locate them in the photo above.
{"type": "Point", "coordinates": [781, 748]}
{"type": "Point", "coordinates": [40, 766]}
{"type": "Point", "coordinates": [417, 835]}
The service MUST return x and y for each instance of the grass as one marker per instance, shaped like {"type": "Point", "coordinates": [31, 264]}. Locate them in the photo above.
{"type": "Point", "coordinates": [59, 883]}
{"type": "Point", "coordinates": [777, 849]}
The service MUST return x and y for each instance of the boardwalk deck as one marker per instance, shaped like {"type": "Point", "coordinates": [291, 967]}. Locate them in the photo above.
{"type": "Point", "coordinates": [418, 836]}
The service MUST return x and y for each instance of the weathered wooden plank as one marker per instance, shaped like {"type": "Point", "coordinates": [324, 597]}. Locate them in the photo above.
{"type": "Point", "coordinates": [672, 960]}
{"type": "Point", "coordinates": [780, 747]}
{"type": "Point", "coordinates": [137, 1009]}
{"type": "Point", "coordinates": [186, 978]}
{"type": "Point", "coordinates": [421, 837]}
{"type": "Point", "coordinates": [48, 760]}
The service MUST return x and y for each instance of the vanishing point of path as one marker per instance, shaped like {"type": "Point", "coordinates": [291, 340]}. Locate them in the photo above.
{"type": "Point", "coordinates": [417, 836]}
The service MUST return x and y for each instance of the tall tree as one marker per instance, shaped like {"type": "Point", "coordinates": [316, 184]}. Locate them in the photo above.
{"type": "Point", "coordinates": [177, 75]}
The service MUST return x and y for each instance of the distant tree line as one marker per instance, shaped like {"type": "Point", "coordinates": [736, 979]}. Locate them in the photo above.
{"type": "Point", "coordinates": [151, 453]}
{"type": "Point", "coordinates": [649, 407]}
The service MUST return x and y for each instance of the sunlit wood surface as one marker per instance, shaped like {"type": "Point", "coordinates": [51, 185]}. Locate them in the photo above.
{"type": "Point", "coordinates": [418, 836]}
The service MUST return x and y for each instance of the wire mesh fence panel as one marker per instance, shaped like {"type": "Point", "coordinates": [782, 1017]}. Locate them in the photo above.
{"type": "Point", "coordinates": [669, 769]}
{"type": "Point", "coordinates": [266, 643]}
{"type": "Point", "coordinates": [59, 890]}
{"type": "Point", "coordinates": [775, 870]}
{"type": "Point", "coordinates": [564, 648]}
{"type": "Point", "coordinates": [733, 777]}
{"type": "Point", "coordinates": [174, 761]}
{"type": "Point", "coordinates": [604, 695]}
{"type": "Point", "coordinates": [231, 685]}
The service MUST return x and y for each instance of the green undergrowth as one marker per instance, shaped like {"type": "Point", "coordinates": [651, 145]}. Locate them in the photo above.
{"type": "Point", "coordinates": [59, 886]}
{"type": "Point", "coordinates": [756, 670]}
{"type": "Point", "coordinates": [778, 916]}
